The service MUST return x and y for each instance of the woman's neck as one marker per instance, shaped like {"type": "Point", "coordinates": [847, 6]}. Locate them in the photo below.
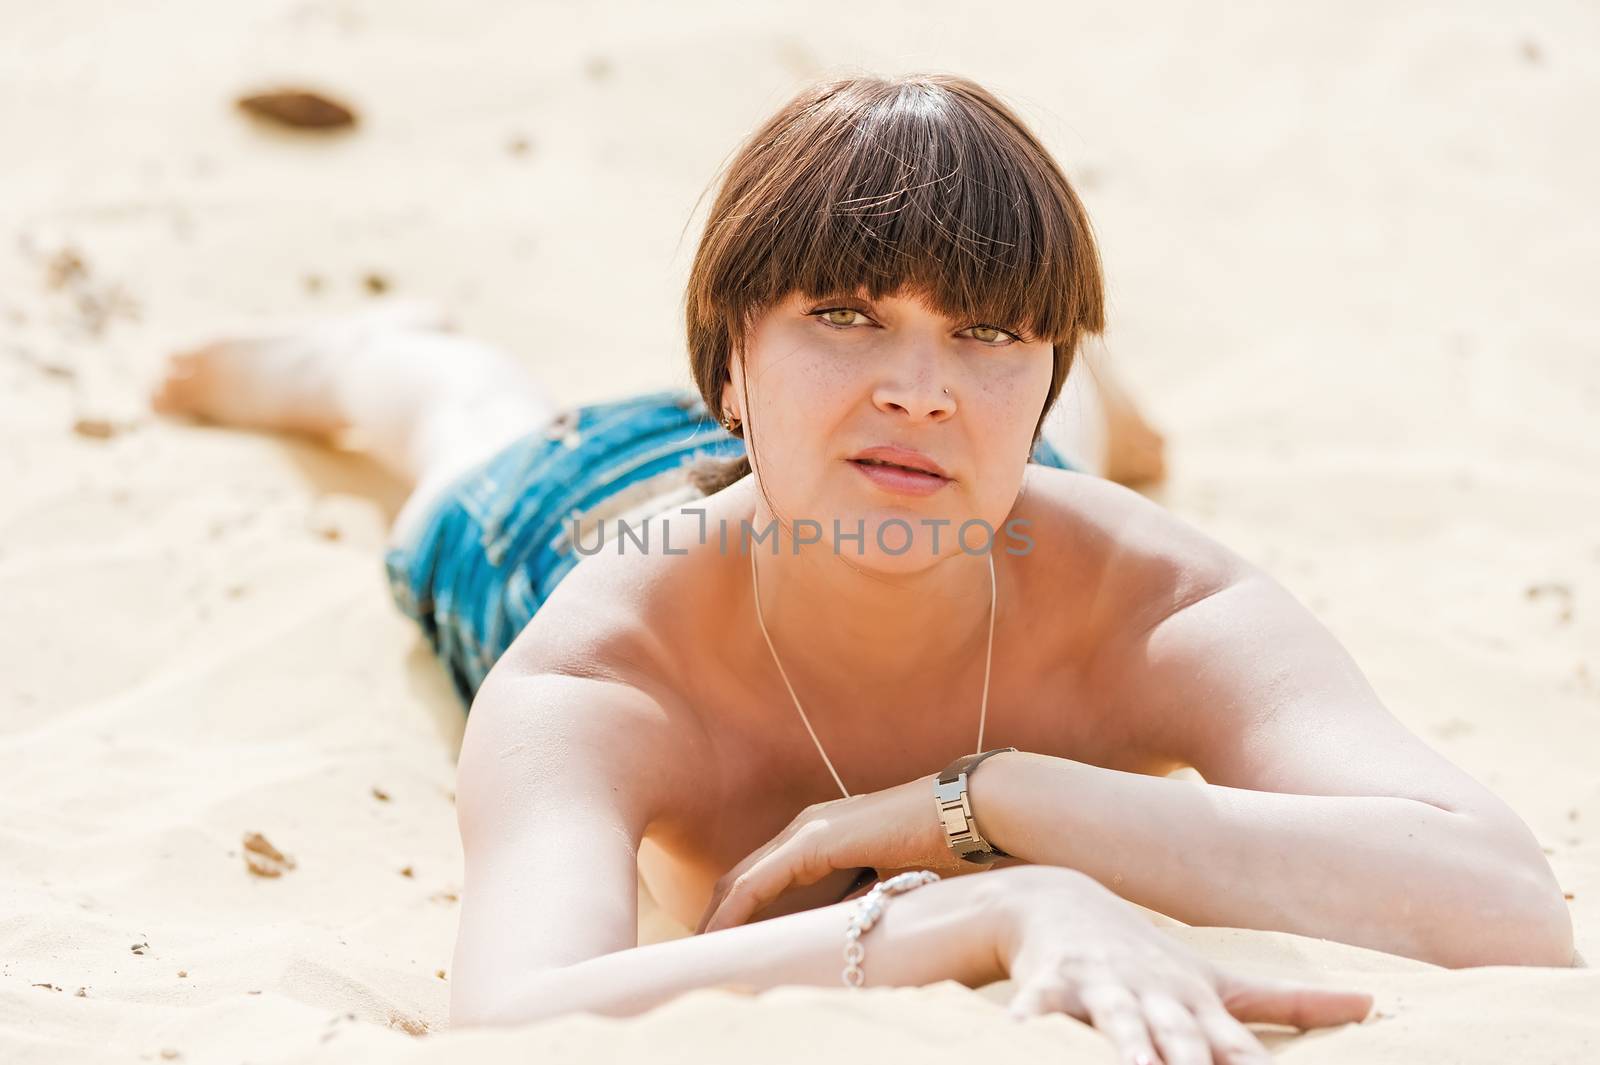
{"type": "Point", "coordinates": [840, 628]}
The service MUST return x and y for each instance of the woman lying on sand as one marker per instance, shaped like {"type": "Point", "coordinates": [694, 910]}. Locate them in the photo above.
{"type": "Point", "coordinates": [749, 696]}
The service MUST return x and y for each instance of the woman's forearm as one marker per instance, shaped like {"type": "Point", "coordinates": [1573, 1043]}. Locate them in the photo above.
{"type": "Point", "coordinates": [946, 930]}
{"type": "Point", "coordinates": [1388, 873]}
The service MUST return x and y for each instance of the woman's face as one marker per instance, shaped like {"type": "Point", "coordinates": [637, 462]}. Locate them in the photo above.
{"type": "Point", "coordinates": [826, 379]}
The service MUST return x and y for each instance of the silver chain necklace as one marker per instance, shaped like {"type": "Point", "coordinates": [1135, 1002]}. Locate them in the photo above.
{"type": "Point", "coordinates": [983, 706]}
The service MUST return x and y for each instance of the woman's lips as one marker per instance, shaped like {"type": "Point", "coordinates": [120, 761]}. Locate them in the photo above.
{"type": "Point", "coordinates": [900, 480]}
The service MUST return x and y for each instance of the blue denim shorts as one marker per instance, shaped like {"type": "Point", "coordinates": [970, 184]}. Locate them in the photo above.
{"type": "Point", "coordinates": [495, 543]}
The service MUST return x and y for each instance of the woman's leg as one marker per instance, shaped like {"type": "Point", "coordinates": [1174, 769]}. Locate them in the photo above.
{"type": "Point", "coordinates": [1136, 451]}
{"type": "Point", "coordinates": [426, 403]}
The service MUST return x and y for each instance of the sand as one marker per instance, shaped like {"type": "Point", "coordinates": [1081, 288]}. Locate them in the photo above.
{"type": "Point", "coordinates": [1350, 254]}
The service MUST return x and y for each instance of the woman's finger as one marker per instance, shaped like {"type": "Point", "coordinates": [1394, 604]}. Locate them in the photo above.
{"type": "Point", "coordinates": [1039, 997]}
{"type": "Point", "coordinates": [1176, 1033]}
{"type": "Point", "coordinates": [1114, 1010]}
{"type": "Point", "coordinates": [719, 890]}
{"type": "Point", "coordinates": [1231, 1042]}
{"type": "Point", "coordinates": [801, 859]}
{"type": "Point", "coordinates": [749, 891]}
{"type": "Point", "coordinates": [1280, 1002]}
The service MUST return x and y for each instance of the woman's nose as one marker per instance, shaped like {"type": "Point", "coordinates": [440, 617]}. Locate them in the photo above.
{"type": "Point", "coordinates": [915, 384]}
{"type": "Point", "coordinates": [921, 399]}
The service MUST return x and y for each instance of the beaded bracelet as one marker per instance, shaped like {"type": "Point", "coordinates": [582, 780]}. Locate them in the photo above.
{"type": "Point", "coordinates": [868, 909]}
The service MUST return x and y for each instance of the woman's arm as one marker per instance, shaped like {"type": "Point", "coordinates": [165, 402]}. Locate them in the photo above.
{"type": "Point", "coordinates": [1069, 945]}
{"type": "Point", "coordinates": [558, 780]}
{"type": "Point", "coordinates": [1393, 874]}
{"type": "Point", "coordinates": [560, 776]}
{"type": "Point", "coordinates": [947, 930]}
{"type": "Point", "coordinates": [1321, 814]}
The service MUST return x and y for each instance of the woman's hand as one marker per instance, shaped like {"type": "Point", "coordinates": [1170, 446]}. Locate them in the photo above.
{"type": "Point", "coordinates": [889, 831]}
{"type": "Point", "coordinates": [1071, 946]}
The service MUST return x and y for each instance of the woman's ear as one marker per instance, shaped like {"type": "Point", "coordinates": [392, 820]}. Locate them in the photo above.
{"type": "Point", "coordinates": [730, 397]}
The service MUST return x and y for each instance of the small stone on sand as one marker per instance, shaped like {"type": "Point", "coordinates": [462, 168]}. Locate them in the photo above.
{"type": "Point", "coordinates": [298, 109]}
{"type": "Point", "coordinates": [262, 858]}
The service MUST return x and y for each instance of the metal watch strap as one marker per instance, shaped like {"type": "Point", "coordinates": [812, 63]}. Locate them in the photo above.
{"type": "Point", "coordinates": [955, 809]}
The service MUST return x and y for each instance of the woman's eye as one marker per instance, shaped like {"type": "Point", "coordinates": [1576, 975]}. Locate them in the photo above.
{"type": "Point", "coordinates": [999, 334]}
{"type": "Point", "coordinates": [827, 315]}
{"type": "Point", "coordinates": [844, 318]}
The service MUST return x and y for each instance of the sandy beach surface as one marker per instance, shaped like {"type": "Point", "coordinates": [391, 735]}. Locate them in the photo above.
{"type": "Point", "coordinates": [1351, 253]}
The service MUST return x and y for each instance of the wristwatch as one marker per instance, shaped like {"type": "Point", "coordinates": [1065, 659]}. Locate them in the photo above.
{"type": "Point", "coordinates": [955, 809]}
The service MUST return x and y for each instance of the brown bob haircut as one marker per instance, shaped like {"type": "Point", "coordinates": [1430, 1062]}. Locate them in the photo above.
{"type": "Point", "coordinates": [922, 184]}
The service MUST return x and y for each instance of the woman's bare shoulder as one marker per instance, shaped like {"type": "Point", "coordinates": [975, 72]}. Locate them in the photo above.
{"type": "Point", "coordinates": [595, 624]}
{"type": "Point", "coordinates": [626, 616]}
{"type": "Point", "coordinates": [639, 625]}
{"type": "Point", "coordinates": [590, 644]}
{"type": "Point", "coordinates": [1145, 562]}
